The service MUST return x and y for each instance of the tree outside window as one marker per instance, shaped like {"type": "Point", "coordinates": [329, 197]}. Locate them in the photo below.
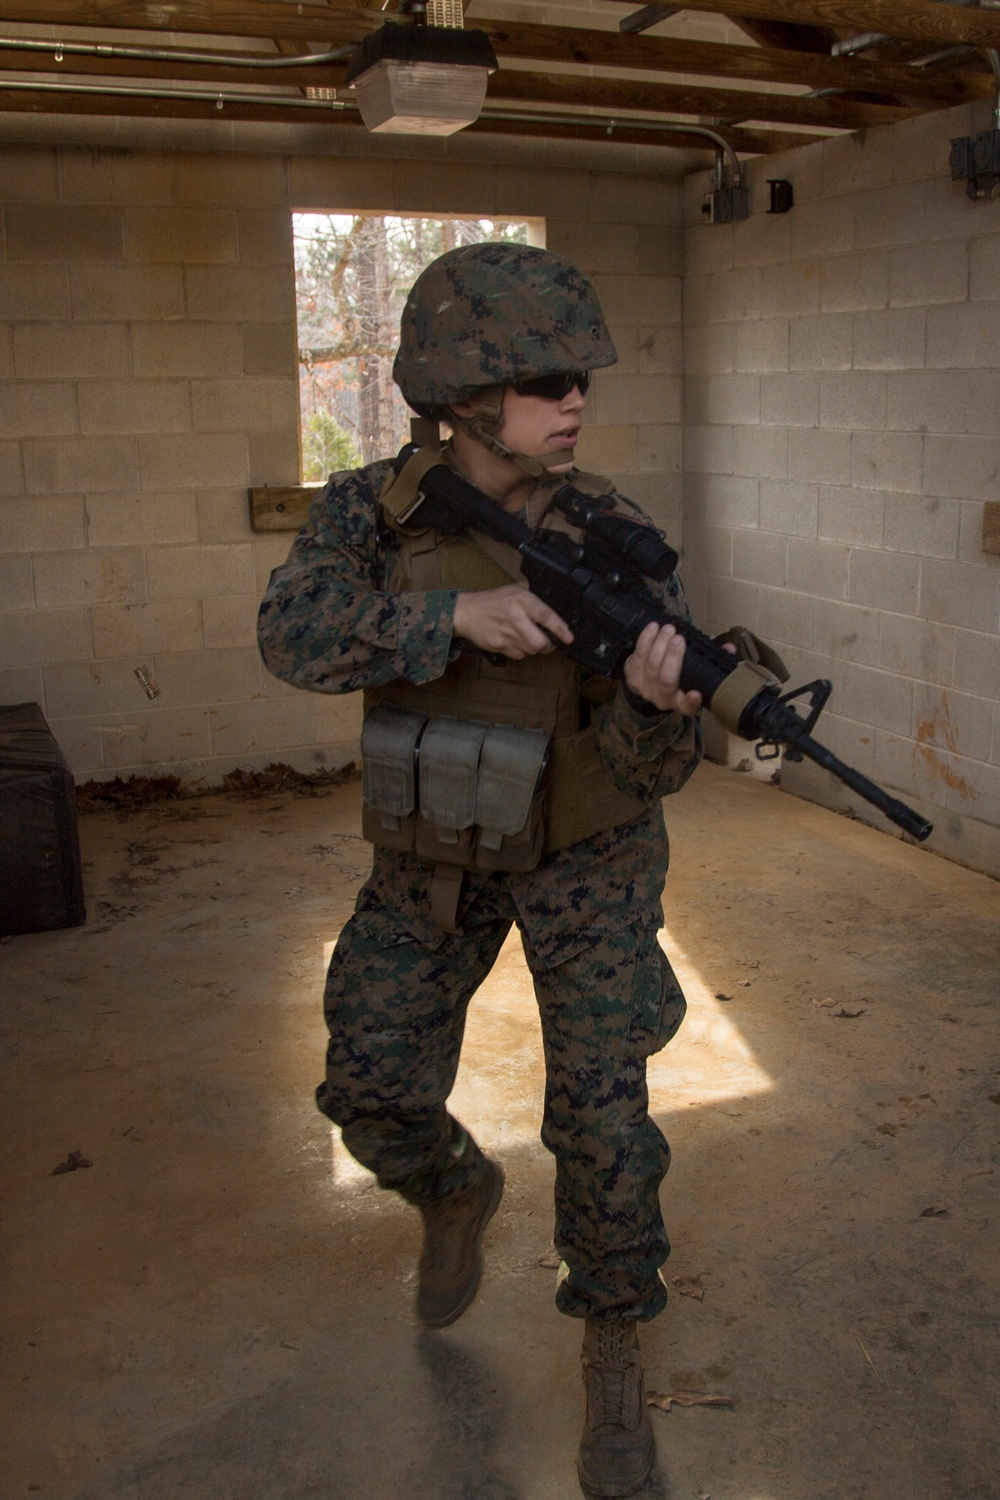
{"type": "Point", "coordinates": [352, 274]}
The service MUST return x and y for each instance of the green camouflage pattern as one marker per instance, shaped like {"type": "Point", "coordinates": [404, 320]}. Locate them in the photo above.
{"type": "Point", "coordinates": [398, 986]}
{"type": "Point", "coordinates": [492, 313]}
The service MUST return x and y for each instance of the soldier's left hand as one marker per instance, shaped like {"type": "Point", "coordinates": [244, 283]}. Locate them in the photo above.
{"type": "Point", "coordinates": [653, 671]}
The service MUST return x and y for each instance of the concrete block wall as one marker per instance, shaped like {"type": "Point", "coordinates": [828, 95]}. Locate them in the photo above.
{"type": "Point", "coordinates": [148, 376]}
{"type": "Point", "coordinates": [842, 431]}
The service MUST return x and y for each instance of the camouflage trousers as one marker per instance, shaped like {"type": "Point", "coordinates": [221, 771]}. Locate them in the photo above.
{"type": "Point", "coordinates": [396, 1008]}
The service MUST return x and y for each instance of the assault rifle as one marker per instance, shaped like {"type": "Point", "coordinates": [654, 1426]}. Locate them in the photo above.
{"type": "Point", "coordinates": [596, 584]}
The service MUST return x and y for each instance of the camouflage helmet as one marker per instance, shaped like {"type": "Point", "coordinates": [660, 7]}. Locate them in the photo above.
{"type": "Point", "coordinates": [488, 314]}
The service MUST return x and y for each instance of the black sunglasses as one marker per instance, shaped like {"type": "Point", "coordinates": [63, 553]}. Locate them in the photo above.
{"type": "Point", "coordinates": [554, 387]}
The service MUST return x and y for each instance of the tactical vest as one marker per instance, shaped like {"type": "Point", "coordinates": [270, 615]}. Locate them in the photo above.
{"type": "Point", "coordinates": [450, 766]}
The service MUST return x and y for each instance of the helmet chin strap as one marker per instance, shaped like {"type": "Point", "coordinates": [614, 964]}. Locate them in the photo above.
{"type": "Point", "coordinates": [484, 427]}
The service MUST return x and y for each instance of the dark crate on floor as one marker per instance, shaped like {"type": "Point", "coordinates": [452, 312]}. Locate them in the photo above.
{"type": "Point", "coordinates": [40, 880]}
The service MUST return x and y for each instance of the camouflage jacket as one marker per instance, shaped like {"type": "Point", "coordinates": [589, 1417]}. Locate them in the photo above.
{"type": "Point", "coordinates": [328, 623]}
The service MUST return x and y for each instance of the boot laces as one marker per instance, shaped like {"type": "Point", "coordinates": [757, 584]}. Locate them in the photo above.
{"type": "Point", "coordinates": [615, 1371]}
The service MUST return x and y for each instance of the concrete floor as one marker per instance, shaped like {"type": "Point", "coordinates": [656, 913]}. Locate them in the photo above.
{"type": "Point", "coordinates": [220, 1306]}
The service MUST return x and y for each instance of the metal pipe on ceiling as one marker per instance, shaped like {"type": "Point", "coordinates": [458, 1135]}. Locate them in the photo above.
{"type": "Point", "coordinates": [160, 54]}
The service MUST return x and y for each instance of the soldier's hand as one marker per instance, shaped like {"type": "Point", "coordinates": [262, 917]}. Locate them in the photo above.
{"type": "Point", "coordinates": [510, 620]}
{"type": "Point", "coordinates": [653, 671]}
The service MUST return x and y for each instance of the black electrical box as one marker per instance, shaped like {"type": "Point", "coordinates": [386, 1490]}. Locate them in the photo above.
{"type": "Point", "coordinates": [41, 885]}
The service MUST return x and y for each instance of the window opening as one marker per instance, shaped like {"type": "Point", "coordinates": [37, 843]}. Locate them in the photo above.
{"type": "Point", "coordinates": [352, 274]}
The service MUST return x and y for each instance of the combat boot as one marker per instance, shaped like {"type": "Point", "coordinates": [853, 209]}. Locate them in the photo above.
{"type": "Point", "coordinates": [451, 1260]}
{"type": "Point", "coordinates": [616, 1449]}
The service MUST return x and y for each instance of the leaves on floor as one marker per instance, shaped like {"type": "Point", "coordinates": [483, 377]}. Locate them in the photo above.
{"type": "Point", "coordinates": [73, 1163]}
{"type": "Point", "coordinates": [690, 1286]}
{"type": "Point", "coordinates": [551, 1260]}
{"type": "Point", "coordinates": [663, 1401]}
{"type": "Point", "coordinates": [935, 1213]}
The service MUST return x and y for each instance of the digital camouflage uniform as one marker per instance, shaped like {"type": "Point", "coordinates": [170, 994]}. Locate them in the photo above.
{"type": "Point", "coordinates": [398, 986]}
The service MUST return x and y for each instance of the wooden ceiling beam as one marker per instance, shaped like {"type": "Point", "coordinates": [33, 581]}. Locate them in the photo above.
{"type": "Point", "coordinates": [590, 47]}
{"type": "Point", "coordinates": [921, 20]}
{"type": "Point", "coordinates": [684, 99]}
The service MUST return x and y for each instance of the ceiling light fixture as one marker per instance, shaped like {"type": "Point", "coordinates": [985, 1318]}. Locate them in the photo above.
{"type": "Point", "coordinates": [425, 77]}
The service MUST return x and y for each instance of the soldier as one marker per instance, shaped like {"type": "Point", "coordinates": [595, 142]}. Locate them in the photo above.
{"type": "Point", "coordinates": [499, 341]}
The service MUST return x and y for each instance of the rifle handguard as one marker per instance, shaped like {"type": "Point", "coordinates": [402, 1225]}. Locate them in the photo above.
{"type": "Point", "coordinates": [734, 692]}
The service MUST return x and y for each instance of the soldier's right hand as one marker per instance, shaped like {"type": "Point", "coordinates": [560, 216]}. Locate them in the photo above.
{"type": "Point", "coordinates": [510, 620]}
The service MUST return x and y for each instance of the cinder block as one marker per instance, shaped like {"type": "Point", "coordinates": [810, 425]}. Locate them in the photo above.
{"type": "Point", "coordinates": [758, 557]}
{"type": "Point", "coordinates": [16, 588]}
{"type": "Point", "coordinates": [137, 629]}
{"type": "Point", "coordinates": [974, 791]}
{"type": "Point", "coordinates": [601, 449]}
{"type": "Point", "coordinates": [965, 468]}
{"type": "Point", "coordinates": [708, 248]}
{"type": "Point", "coordinates": [736, 295]}
{"type": "Point", "coordinates": [698, 302]}
{"type": "Point", "coordinates": [65, 466]}
{"type": "Point", "coordinates": [847, 632]}
{"type": "Point", "coordinates": [625, 338]}
{"type": "Point", "coordinates": [41, 523]}
{"type": "Point", "coordinates": [879, 698]}
{"type": "Point", "coordinates": [854, 283]}
{"type": "Point", "coordinates": [887, 461]}
{"type": "Point", "coordinates": [81, 689]}
{"type": "Point", "coordinates": [721, 499]}
{"type": "Point", "coordinates": [853, 401]}
{"type": "Point", "coordinates": [924, 649]}
{"type": "Point", "coordinates": [468, 190]}
{"type": "Point", "coordinates": [33, 637]}
{"type": "Point", "coordinates": [884, 580]}
{"type": "Point", "coordinates": [924, 274]}
{"type": "Point", "coordinates": [226, 180]}
{"type": "Point", "coordinates": [181, 236]}
{"type": "Point", "coordinates": [186, 349]}
{"type": "Point", "coordinates": [710, 548]}
{"type": "Point", "coordinates": [619, 197]}
{"type": "Point", "coordinates": [240, 294]}
{"type": "Point", "coordinates": [790, 291]}
{"type": "Point", "coordinates": [34, 292]}
{"type": "Point", "coordinates": [890, 216]}
{"type": "Point", "coordinates": [784, 617]}
{"type": "Point", "coordinates": [127, 293]}
{"type": "Point", "coordinates": [94, 575]}
{"type": "Point", "coordinates": [340, 185]}
{"type": "Point", "coordinates": [127, 519]}
{"type": "Point", "coordinates": [274, 457]}
{"type": "Point", "coordinates": [762, 239]}
{"type": "Point", "coordinates": [820, 343]}
{"type": "Point", "coordinates": [6, 353]}
{"type": "Point", "coordinates": [854, 162]}
{"type": "Point", "coordinates": [761, 451]}
{"type": "Point", "coordinates": [708, 450]}
{"type": "Point", "coordinates": [265, 237]}
{"type": "Point", "coordinates": [791, 509]}
{"type": "Point", "coordinates": [337, 718]}
{"type": "Point", "coordinates": [116, 176]}
{"type": "Point", "coordinates": [11, 470]}
{"type": "Point", "coordinates": [64, 350]}
{"type": "Point", "coordinates": [81, 742]}
{"type": "Point", "coordinates": [893, 339]}
{"type": "Point", "coordinates": [819, 456]}
{"type": "Point", "coordinates": [730, 601]}
{"type": "Point", "coordinates": [817, 568]}
{"type": "Point", "coordinates": [209, 677]}
{"type": "Point", "coordinates": [952, 721]}
{"type": "Point", "coordinates": [163, 736]}
{"type": "Point", "coordinates": [120, 406]}
{"type": "Point", "coordinates": [37, 410]}
{"type": "Point", "coordinates": [223, 515]}
{"type": "Point", "coordinates": [660, 251]}
{"type": "Point", "coordinates": [761, 345]}
{"type": "Point", "coordinates": [61, 231]}
{"type": "Point", "coordinates": [657, 496]}
{"type": "Point", "coordinates": [820, 229]}
{"type": "Point", "coordinates": [270, 724]}
{"type": "Point", "coordinates": [714, 399]}
{"type": "Point", "coordinates": [596, 247]}
{"type": "Point", "coordinates": [191, 460]}
{"type": "Point", "coordinates": [900, 766]}
{"type": "Point", "coordinates": [269, 349]}
{"type": "Point", "coordinates": [637, 398]}
{"type": "Point", "coordinates": [632, 299]}
{"type": "Point", "coordinates": [984, 269]}
{"type": "Point", "coordinates": [247, 405]}
{"type": "Point", "coordinates": [964, 336]}
{"type": "Point", "coordinates": [660, 350]}
{"type": "Point", "coordinates": [959, 594]}
{"type": "Point", "coordinates": [22, 685]}
{"type": "Point", "coordinates": [853, 516]}
{"type": "Point", "coordinates": [709, 348]}
{"type": "Point", "coordinates": [230, 621]}
{"type": "Point", "coordinates": [976, 662]}
{"type": "Point", "coordinates": [943, 401]}
{"type": "Point", "coordinates": [660, 447]}
{"type": "Point", "coordinates": [790, 400]}
{"type": "Point", "coordinates": [28, 174]}
{"type": "Point", "coordinates": [928, 527]}
{"type": "Point", "coordinates": [196, 572]}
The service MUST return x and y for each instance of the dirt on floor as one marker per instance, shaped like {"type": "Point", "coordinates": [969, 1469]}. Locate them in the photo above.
{"type": "Point", "coordinates": [207, 1298]}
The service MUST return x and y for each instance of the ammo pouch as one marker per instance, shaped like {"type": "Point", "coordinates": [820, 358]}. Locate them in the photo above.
{"type": "Point", "coordinates": [454, 791]}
